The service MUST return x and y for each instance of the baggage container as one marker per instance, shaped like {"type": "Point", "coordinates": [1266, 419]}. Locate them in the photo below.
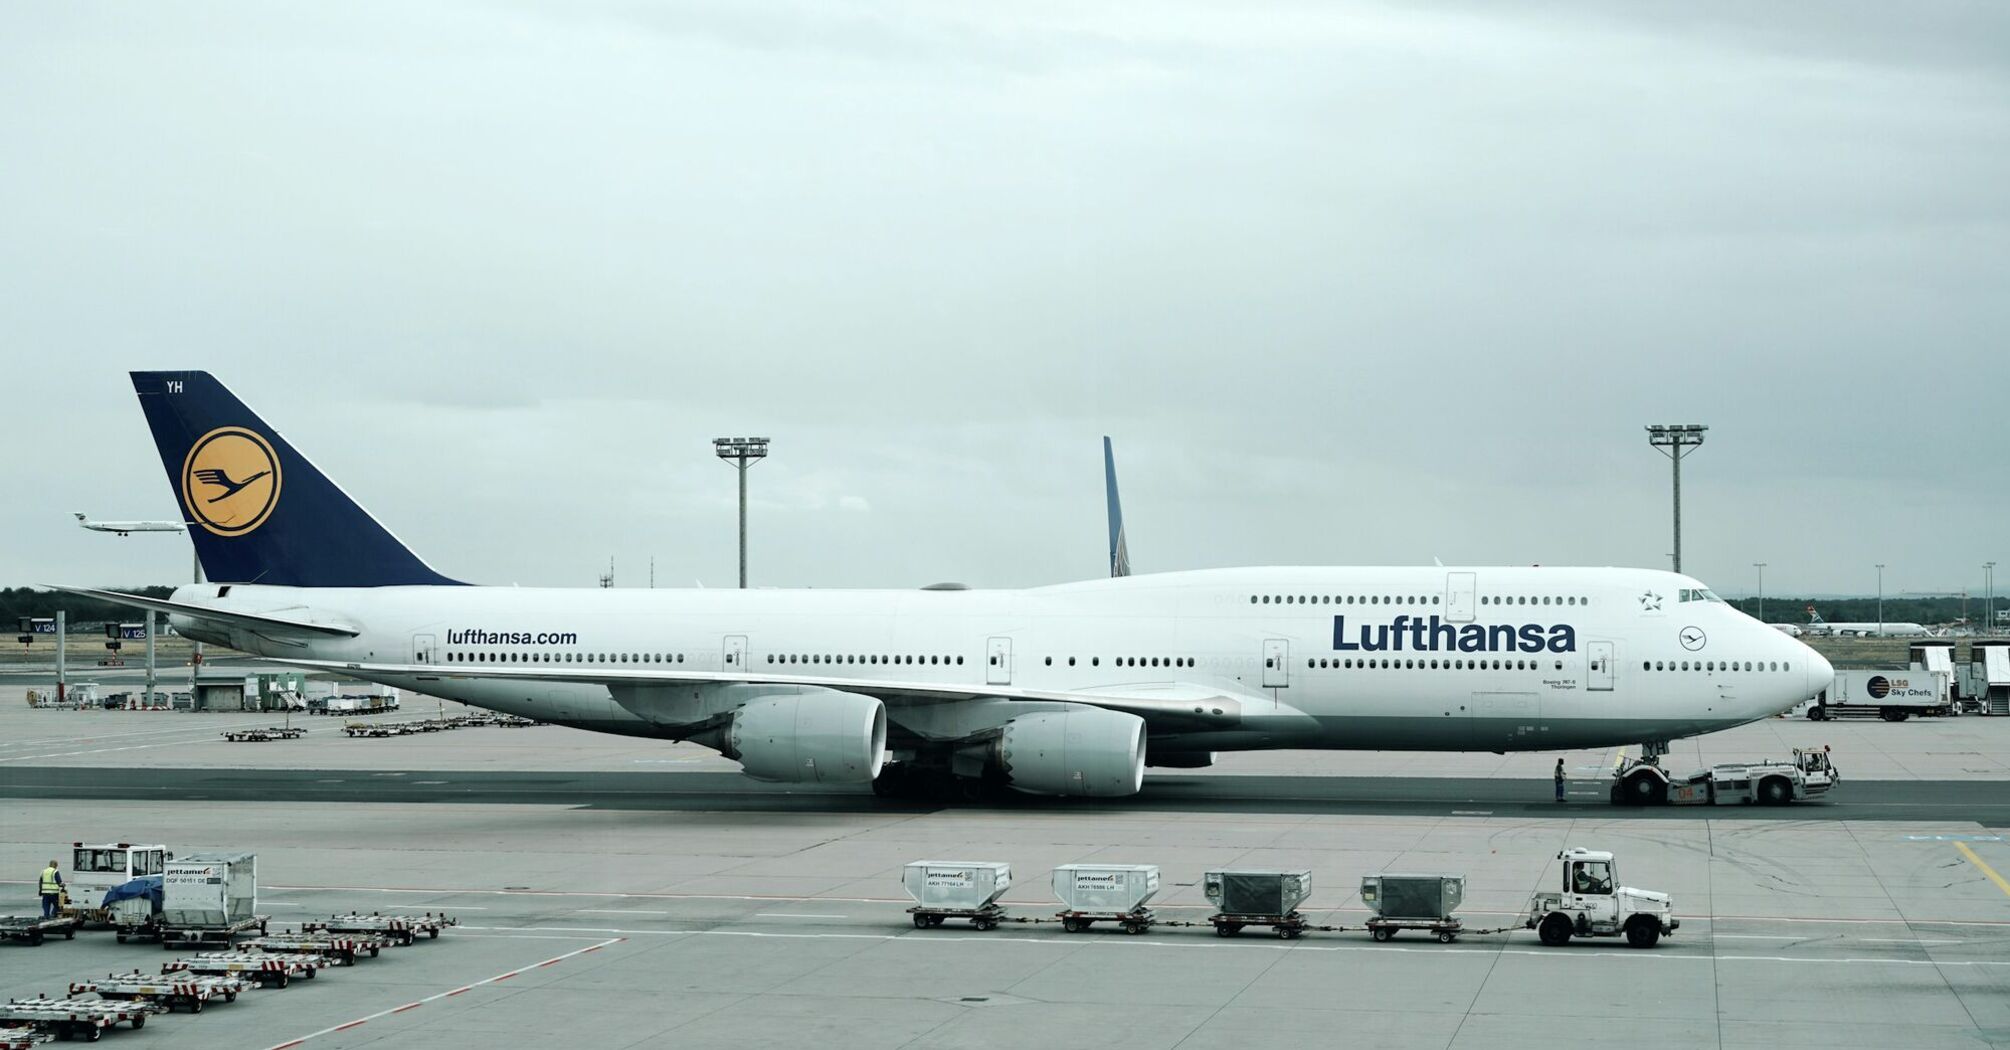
{"type": "Point", "coordinates": [210, 890]}
{"type": "Point", "coordinates": [1257, 892]}
{"type": "Point", "coordinates": [1112, 889]}
{"type": "Point", "coordinates": [949, 885]}
{"type": "Point", "coordinates": [1419, 897]}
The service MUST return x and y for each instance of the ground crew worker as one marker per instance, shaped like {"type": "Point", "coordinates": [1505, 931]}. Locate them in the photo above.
{"type": "Point", "coordinates": [1559, 780]}
{"type": "Point", "coordinates": [52, 890]}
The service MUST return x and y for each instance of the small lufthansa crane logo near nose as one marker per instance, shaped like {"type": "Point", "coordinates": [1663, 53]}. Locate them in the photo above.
{"type": "Point", "coordinates": [1692, 638]}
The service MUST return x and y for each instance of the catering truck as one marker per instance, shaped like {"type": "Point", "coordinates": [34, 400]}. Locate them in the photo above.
{"type": "Point", "coordinates": [1891, 695]}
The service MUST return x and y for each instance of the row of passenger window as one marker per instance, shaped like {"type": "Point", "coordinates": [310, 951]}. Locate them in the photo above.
{"type": "Point", "coordinates": [1715, 665]}
{"type": "Point", "coordinates": [565, 658]}
{"type": "Point", "coordinates": [1339, 599]}
{"type": "Point", "coordinates": [870, 659]}
{"type": "Point", "coordinates": [1134, 661]}
{"type": "Point", "coordinates": [1384, 599]}
{"type": "Point", "coordinates": [1396, 664]}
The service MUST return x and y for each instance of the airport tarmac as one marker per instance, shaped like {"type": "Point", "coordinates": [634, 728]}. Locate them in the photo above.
{"type": "Point", "coordinates": [609, 902]}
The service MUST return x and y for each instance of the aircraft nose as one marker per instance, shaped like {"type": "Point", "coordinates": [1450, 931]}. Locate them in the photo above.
{"type": "Point", "coordinates": [1821, 674]}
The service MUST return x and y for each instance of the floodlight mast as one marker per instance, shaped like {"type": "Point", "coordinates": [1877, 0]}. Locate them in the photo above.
{"type": "Point", "coordinates": [1676, 441]}
{"type": "Point", "coordinates": [742, 453]}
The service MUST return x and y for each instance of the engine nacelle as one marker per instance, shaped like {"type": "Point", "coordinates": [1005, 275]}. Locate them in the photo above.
{"type": "Point", "coordinates": [1086, 751]}
{"type": "Point", "coordinates": [818, 736]}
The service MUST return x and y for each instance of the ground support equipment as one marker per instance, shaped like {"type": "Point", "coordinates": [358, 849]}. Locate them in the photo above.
{"type": "Point", "coordinates": [33, 929]}
{"type": "Point", "coordinates": [256, 736]}
{"type": "Point", "coordinates": [1133, 922]}
{"type": "Point", "coordinates": [226, 935]}
{"type": "Point", "coordinates": [344, 949]}
{"type": "Point", "coordinates": [187, 990]}
{"type": "Point", "coordinates": [267, 969]}
{"type": "Point", "coordinates": [985, 918]}
{"type": "Point", "coordinates": [399, 929]}
{"type": "Point", "coordinates": [85, 1019]}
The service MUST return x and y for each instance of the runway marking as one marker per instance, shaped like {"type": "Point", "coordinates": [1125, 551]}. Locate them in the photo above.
{"type": "Point", "coordinates": [2000, 882]}
{"type": "Point", "coordinates": [415, 1004]}
{"type": "Point", "coordinates": [619, 911]}
{"type": "Point", "coordinates": [1212, 944]}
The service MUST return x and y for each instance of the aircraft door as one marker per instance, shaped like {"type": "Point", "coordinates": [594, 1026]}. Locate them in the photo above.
{"type": "Point", "coordinates": [1459, 590]}
{"type": "Point", "coordinates": [422, 649]}
{"type": "Point", "coordinates": [1599, 670]}
{"type": "Point", "coordinates": [1276, 654]}
{"type": "Point", "coordinates": [998, 662]}
{"type": "Point", "coordinates": [733, 656]}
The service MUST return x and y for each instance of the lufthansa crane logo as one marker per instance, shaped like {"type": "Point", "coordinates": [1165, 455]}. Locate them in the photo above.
{"type": "Point", "coordinates": [1692, 638]}
{"type": "Point", "coordinates": [230, 481]}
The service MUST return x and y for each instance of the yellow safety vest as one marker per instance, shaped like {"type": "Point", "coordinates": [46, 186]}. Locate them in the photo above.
{"type": "Point", "coordinates": [52, 884]}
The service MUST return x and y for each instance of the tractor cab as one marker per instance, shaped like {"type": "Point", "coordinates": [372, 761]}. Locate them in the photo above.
{"type": "Point", "coordinates": [1592, 903]}
{"type": "Point", "coordinates": [1815, 764]}
{"type": "Point", "coordinates": [96, 868]}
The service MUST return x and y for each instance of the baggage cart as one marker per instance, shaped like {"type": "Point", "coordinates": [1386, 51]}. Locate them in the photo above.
{"type": "Point", "coordinates": [23, 1038]}
{"type": "Point", "coordinates": [174, 936]}
{"type": "Point", "coordinates": [1257, 897]}
{"type": "Point", "coordinates": [187, 990]}
{"type": "Point", "coordinates": [85, 1019]}
{"type": "Point", "coordinates": [949, 889]}
{"type": "Point", "coordinates": [258, 736]}
{"type": "Point", "coordinates": [397, 929]}
{"type": "Point", "coordinates": [343, 948]}
{"type": "Point", "coordinates": [1092, 893]}
{"type": "Point", "coordinates": [1413, 902]}
{"type": "Point", "coordinates": [33, 929]}
{"type": "Point", "coordinates": [264, 968]}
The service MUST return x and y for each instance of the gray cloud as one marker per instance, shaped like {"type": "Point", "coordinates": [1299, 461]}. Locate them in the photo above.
{"type": "Point", "coordinates": [1360, 284]}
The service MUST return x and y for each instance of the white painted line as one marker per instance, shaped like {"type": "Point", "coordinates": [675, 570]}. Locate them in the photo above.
{"type": "Point", "coordinates": [415, 1004]}
{"type": "Point", "coordinates": [619, 911]}
{"type": "Point", "coordinates": [1212, 944]}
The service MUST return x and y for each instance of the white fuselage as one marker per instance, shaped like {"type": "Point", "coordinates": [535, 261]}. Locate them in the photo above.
{"type": "Point", "coordinates": [1343, 658]}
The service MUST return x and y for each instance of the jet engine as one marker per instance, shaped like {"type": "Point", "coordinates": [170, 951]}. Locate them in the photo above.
{"type": "Point", "coordinates": [820, 736]}
{"type": "Point", "coordinates": [1082, 751]}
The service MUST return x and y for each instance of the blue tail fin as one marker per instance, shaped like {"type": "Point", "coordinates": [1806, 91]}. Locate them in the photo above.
{"type": "Point", "coordinates": [1120, 553]}
{"type": "Point", "coordinates": [258, 511]}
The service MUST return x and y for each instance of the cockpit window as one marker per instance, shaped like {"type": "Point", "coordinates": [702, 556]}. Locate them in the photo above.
{"type": "Point", "coordinates": [1698, 594]}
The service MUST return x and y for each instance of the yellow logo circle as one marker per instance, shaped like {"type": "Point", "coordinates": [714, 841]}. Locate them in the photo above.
{"type": "Point", "coordinates": [230, 481]}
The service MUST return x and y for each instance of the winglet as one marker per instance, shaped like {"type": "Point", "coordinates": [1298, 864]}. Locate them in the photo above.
{"type": "Point", "coordinates": [1120, 554]}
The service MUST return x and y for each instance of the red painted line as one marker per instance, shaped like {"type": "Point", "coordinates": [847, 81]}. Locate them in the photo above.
{"type": "Point", "coordinates": [548, 962]}
{"type": "Point", "coordinates": [457, 991]}
{"type": "Point", "coordinates": [407, 1006]}
{"type": "Point", "coordinates": [346, 1027]}
{"type": "Point", "coordinates": [499, 980]}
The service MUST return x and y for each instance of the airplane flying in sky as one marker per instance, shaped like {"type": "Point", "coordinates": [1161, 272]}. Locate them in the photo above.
{"type": "Point", "coordinates": [127, 528]}
{"type": "Point", "coordinates": [1071, 689]}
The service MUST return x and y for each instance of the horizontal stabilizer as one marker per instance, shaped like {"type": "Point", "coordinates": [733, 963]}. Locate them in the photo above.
{"type": "Point", "coordinates": [263, 622]}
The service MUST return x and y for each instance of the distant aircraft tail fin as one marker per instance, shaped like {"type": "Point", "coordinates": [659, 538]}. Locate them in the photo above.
{"type": "Point", "coordinates": [1815, 618]}
{"type": "Point", "coordinates": [1120, 554]}
{"type": "Point", "coordinates": [258, 510]}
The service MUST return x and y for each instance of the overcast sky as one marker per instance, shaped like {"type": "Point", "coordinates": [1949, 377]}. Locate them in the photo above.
{"type": "Point", "coordinates": [1347, 283]}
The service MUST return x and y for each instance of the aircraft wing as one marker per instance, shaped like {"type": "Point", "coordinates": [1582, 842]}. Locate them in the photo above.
{"type": "Point", "coordinates": [1168, 706]}
{"type": "Point", "coordinates": [264, 623]}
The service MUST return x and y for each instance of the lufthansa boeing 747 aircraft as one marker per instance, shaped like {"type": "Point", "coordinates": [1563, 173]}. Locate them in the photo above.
{"type": "Point", "coordinates": [1070, 689]}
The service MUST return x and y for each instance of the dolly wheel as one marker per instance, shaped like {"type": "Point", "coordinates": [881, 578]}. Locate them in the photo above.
{"type": "Point", "coordinates": [1447, 937]}
{"type": "Point", "coordinates": [921, 922]}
